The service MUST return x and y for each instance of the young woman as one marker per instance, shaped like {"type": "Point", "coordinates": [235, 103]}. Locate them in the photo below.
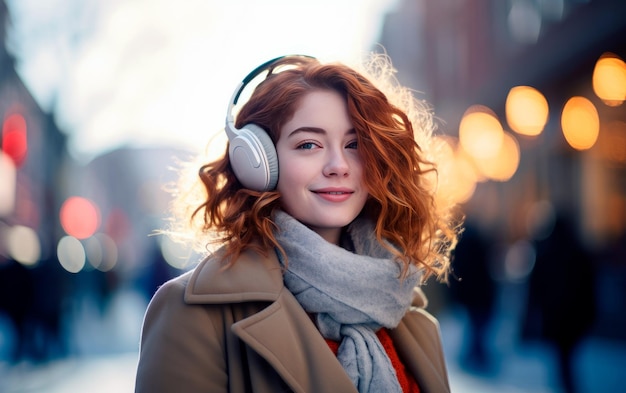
{"type": "Point", "coordinates": [323, 206]}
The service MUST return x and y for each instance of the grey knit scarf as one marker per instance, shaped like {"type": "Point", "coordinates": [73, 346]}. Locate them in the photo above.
{"type": "Point", "coordinates": [352, 295]}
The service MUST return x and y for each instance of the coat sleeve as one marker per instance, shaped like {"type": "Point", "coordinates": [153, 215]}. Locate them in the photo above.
{"type": "Point", "coordinates": [181, 349]}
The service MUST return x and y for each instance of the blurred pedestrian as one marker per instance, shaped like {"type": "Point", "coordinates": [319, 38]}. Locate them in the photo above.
{"type": "Point", "coordinates": [561, 305]}
{"type": "Point", "coordinates": [474, 289]}
{"type": "Point", "coordinates": [325, 213]}
{"type": "Point", "coordinates": [16, 301]}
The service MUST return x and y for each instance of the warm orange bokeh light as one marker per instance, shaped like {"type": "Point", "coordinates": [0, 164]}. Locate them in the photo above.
{"type": "Point", "coordinates": [79, 217]}
{"type": "Point", "coordinates": [456, 175]}
{"type": "Point", "coordinates": [580, 123]}
{"type": "Point", "coordinates": [609, 79]}
{"type": "Point", "coordinates": [526, 110]}
{"type": "Point", "coordinates": [466, 177]}
{"type": "Point", "coordinates": [502, 166]}
{"type": "Point", "coordinates": [480, 132]}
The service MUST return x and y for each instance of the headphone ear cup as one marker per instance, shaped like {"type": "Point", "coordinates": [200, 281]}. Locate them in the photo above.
{"type": "Point", "coordinates": [253, 158]}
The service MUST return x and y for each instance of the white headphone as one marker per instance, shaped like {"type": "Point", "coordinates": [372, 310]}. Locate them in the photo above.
{"type": "Point", "coordinates": [251, 151]}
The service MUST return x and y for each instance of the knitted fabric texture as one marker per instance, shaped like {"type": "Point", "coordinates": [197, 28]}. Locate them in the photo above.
{"type": "Point", "coordinates": [406, 380]}
{"type": "Point", "coordinates": [352, 295]}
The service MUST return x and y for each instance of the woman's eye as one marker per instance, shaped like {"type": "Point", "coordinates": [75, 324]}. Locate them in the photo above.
{"type": "Point", "coordinates": [306, 146]}
{"type": "Point", "coordinates": [352, 145]}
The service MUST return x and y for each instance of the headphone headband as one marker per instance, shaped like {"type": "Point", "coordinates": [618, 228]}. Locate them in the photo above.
{"type": "Point", "coordinates": [253, 74]}
{"type": "Point", "coordinates": [267, 66]}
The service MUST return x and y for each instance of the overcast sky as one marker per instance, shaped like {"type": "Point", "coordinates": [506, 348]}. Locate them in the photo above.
{"type": "Point", "coordinates": [154, 72]}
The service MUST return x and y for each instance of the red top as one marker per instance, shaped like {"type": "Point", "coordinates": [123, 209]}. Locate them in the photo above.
{"type": "Point", "coordinates": [407, 382]}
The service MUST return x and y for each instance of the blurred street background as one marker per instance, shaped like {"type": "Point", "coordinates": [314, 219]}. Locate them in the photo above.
{"type": "Point", "coordinates": [99, 100]}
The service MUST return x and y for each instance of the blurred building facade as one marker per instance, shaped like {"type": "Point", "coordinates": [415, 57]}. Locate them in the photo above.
{"type": "Point", "coordinates": [35, 149]}
{"type": "Point", "coordinates": [72, 235]}
{"type": "Point", "coordinates": [33, 159]}
{"type": "Point", "coordinates": [457, 54]}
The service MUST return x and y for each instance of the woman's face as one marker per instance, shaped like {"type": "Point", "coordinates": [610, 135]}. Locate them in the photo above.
{"type": "Point", "coordinates": [320, 171]}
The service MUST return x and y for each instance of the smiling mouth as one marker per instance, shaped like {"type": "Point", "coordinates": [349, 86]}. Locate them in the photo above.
{"type": "Point", "coordinates": [334, 195]}
{"type": "Point", "coordinates": [333, 192]}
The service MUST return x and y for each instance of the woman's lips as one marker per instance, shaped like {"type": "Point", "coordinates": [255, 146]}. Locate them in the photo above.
{"type": "Point", "coordinates": [334, 195]}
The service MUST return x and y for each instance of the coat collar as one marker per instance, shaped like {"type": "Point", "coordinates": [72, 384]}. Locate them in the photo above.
{"type": "Point", "coordinates": [254, 277]}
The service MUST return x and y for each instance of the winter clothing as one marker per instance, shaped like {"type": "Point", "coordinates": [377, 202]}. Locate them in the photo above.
{"type": "Point", "coordinates": [241, 330]}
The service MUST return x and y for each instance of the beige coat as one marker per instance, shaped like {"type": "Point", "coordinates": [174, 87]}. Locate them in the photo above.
{"type": "Point", "coordinates": [241, 330]}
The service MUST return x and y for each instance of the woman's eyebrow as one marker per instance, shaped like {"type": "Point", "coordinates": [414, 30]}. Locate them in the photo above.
{"type": "Point", "coordinates": [315, 130]}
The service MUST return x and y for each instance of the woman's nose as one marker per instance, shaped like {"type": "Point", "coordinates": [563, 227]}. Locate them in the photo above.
{"type": "Point", "coordinates": [337, 164]}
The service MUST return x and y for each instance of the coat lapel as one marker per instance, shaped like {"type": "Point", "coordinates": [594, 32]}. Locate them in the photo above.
{"type": "Point", "coordinates": [418, 343]}
{"type": "Point", "coordinates": [284, 335]}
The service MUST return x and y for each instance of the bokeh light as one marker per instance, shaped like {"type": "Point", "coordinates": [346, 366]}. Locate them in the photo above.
{"type": "Point", "coordinates": [609, 79]}
{"type": "Point", "coordinates": [23, 245]}
{"type": "Point", "coordinates": [480, 132]}
{"type": "Point", "coordinates": [7, 185]}
{"type": "Point", "coordinates": [14, 138]}
{"type": "Point", "coordinates": [524, 21]}
{"type": "Point", "coordinates": [519, 261]}
{"type": "Point", "coordinates": [175, 254]}
{"type": "Point", "coordinates": [580, 123]}
{"type": "Point", "coordinates": [79, 217]}
{"type": "Point", "coordinates": [456, 176]}
{"type": "Point", "coordinates": [504, 164]}
{"type": "Point", "coordinates": [101, 252]}
{"type": "Point", "coordinates": [526, 110]}
{"type": "Point", "coordinates": [71, 254]}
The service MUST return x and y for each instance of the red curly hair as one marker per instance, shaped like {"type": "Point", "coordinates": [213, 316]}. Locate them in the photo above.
{"type": "Point", "coordinates": [401, 201]}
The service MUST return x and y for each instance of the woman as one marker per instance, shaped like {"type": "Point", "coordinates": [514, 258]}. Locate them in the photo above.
{"type": "Point", "coordinates": [324, 211]}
